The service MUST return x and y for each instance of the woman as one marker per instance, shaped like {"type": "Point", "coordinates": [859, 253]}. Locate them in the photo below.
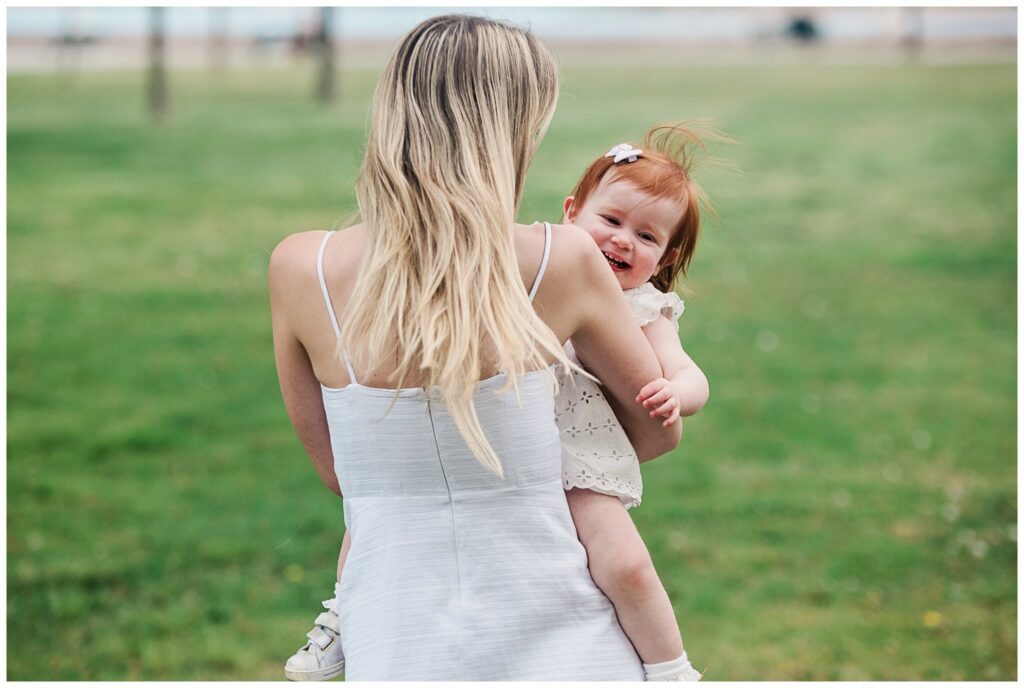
{"type": "Point", "coordinates": [427, 403]}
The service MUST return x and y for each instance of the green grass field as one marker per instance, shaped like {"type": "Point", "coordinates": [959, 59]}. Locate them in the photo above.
{"type": "Point", "coordinates": [845, 507]}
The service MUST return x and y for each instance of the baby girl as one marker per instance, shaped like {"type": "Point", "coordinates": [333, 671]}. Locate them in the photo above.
{"type": "Point", "coordinates": [642, 208]}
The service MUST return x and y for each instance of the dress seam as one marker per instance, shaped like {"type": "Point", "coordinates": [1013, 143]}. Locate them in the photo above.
{"type": "Point", "coordinates": [455, 544]}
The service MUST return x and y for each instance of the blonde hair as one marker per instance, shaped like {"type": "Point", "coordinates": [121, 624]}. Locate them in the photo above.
{"type": "Point", "coordinates": [457, 116]}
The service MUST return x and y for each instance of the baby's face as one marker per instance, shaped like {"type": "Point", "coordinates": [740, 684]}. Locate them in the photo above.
{"type": "Point", "coordinates": [630, 227]}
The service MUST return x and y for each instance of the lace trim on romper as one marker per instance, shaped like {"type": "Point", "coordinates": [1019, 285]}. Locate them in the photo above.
{"type": "Point", "coordinates": [596, 453]}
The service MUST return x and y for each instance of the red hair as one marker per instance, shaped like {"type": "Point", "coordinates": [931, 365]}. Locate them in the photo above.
{"type": "Point", "coordinates": [662, 171]}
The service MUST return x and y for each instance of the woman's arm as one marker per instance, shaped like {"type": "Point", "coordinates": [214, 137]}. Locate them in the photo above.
{"type": "Point", "coordinates": [299, 387]}
{"type": "Point", "coordinates": [682, 389]}
{"type": "Point", "coordinates": [612, 347]}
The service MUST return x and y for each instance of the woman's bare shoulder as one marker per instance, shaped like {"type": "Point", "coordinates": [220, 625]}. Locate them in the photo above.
{"type": "Point", "coordinates": [571, 236]}
{"type": "Point", "coordinates": [573, 252]}
{"type": "Point", "coordinates": [570, 247]}
{"type": "Point", "coordinates": [294, 247]}
{"type": "Point", "coordinates": [568, 242]}
{"type": "Point", "coordinates": [296, 253]}
{"type": "Point", "coordinates": [574, 281]}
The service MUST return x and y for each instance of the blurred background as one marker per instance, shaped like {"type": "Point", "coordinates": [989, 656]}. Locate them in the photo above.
{"type": "Point", "coordinates": [844, 508]}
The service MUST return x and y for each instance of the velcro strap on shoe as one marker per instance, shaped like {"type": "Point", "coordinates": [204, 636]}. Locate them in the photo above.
{"type": "Point", "coordinates": [320, 638]}
{"type": "Point", "coordinates": [328, 620]}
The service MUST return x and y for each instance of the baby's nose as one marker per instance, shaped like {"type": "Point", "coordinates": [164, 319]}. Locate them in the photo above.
{"type": "Point", "coordinates": [623, 241]}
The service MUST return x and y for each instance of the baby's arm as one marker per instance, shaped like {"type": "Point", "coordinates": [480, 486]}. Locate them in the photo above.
{"type": "Point", "coordinates": [683, 388]}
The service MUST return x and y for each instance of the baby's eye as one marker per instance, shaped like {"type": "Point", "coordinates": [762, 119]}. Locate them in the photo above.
{"type": "Point", "coordinates": [611, 220]}
{"type": "Point", "coordinates": [648, 237]}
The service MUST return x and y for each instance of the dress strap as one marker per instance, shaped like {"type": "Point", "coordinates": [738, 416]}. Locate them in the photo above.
{"type": "Point", "coordinates": [543, 260]}
{"type": "Point", "coordinates": [330, 306]}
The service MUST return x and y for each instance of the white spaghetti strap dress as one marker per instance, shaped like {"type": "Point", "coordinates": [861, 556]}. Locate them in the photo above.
{"type": "Point", "coordinates": [453, 573]}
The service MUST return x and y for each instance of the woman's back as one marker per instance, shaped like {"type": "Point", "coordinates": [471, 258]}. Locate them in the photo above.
{"type": "Point", "coordinates": [342, 256]}
{"type": "Point", "coordinates": [455, 573]}
{"type": "Point", "coordinates": [578, 298]}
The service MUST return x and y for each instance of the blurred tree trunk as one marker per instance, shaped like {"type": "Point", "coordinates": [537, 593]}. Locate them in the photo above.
{"type": "Point", "coordinates": [157, 71]}
{"type": "Point", "coordinates": [69, 41]}
{"type": "Point", "coordinates": [912, 39]}
{"type": "Point", "coordinates": [326, 90]}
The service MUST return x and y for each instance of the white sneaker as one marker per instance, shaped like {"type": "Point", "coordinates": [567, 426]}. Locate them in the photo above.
{"type": "Point", "coordinates": [321, 658]}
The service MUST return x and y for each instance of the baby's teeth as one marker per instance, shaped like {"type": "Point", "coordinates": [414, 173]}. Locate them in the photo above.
{"type": "Point", "coordinates": [619, 263]}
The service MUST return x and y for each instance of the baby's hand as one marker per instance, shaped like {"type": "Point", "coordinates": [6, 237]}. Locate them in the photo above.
{"type": "Point", "coordinates": [659, 393]}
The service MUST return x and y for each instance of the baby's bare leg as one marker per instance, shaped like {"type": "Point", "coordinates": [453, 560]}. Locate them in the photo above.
{"type": "Point", "coordinates": [621, 566]}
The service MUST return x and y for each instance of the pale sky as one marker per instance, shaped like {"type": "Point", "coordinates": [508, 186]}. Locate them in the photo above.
{"type": "Point", "coordinates": [564, 22]}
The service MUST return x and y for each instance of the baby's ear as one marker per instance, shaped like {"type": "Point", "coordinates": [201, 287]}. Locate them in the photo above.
{"type": "Point", "coordinates": [568, 211]}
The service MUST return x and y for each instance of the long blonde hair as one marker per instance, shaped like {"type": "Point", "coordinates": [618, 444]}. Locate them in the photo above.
{"type": "Point", "coordinates": [457, 116]}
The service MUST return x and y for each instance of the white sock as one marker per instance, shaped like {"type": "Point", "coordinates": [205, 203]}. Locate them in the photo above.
{"type": "Point", "coordinates": [678, 669]}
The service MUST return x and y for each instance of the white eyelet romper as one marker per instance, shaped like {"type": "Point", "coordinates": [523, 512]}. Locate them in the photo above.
{"type": "Point", "coordinates": [596, 454]}
{"type": "Point", "coordinates": [453, 573]}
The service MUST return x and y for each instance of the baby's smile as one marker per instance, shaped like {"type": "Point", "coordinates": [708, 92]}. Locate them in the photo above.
{"type": "Point", "coordinates": [618, 265]}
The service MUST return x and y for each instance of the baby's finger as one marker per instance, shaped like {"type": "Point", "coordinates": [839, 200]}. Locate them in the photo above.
{"type": "Point", "coordinates": [672, 418]}
{"type": "Point", "coordinates": [647, 390]}
{"type": "Point", "coordinates": [658, 398]}
{"type": "Point", "coordinates": [665, 409]}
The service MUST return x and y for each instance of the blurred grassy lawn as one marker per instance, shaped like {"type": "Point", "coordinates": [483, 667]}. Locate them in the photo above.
{"type": "Point", "coordinates": [844, 508]}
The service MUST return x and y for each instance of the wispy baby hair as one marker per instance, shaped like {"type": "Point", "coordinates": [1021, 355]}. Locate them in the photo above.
{"type": "Point", "coordinates": [664, 170]}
